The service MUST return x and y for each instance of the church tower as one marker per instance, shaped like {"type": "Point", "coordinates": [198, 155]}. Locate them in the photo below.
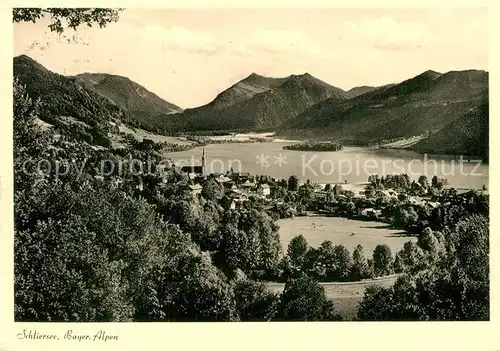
{"type": "Point", "coordinates": [203, 164]}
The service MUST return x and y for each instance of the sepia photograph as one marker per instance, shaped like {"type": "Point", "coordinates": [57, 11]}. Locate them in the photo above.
{"type": "Point", "coordinates": [250, 165]}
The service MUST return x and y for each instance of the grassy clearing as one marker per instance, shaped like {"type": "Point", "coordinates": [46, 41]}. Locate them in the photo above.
{"type": "Point", "coordinates": [141, 134]}
{"type": "Point", "coordinates": [342, 231]}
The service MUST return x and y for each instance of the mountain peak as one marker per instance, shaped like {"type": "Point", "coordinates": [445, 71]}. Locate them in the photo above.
{"type": "Point", "coordinates": [28, 63]}
{"type": "Point", "coordinates": [430, 74]}
{"type": "Point", "coordinates": [23, 57]}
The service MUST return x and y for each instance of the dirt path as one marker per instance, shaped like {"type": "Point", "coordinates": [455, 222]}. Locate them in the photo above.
{"type": "Point", "coordinates": [344, 290]}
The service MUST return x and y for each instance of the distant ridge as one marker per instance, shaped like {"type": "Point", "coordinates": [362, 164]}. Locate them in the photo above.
{"type": "Point", "coordinates": [127, 94]}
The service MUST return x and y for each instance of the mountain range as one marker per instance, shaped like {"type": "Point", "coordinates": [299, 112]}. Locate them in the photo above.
{"type": "Point", "coordinates": [422, 105]}
{"type": "Point", "coordinates": [448, 111]}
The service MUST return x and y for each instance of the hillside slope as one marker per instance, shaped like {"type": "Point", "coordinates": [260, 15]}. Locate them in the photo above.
{"type": "Point", "coordinates": [357, 91]}
{"type": "Point", "coordinates": [63, 96]}
{"type": "Point", "coordinates": [466, 135]}
{"type": "Point", "coordinates": [127, 94]}
{"type": "Point", "coordinates": [76, 111]}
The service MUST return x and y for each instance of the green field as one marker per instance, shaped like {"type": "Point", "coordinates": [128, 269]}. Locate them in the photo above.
{"type": "Point", "coordinates": [342, 231]}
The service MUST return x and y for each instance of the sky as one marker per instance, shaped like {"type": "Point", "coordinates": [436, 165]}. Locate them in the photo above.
{"type": "Point", "coordinates": [188, 56]}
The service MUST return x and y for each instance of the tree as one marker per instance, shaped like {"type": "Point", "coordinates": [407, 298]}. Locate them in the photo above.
{"type": "Point", "coordinates": [382, 260]}
{"type": "Point", "coordinates": [192, 289]}
{"type": "Point", "coordinates": [212, 190]}
{"type": "Point", "coordinates": [412, 256]}
{"type": "Point", "coordinates": [62, 18]}
{"type": "Point", "coordinates": [297, 250]}
{"type": "Point", "coordinates": [377, 304]}
{"type": "Point", "coordinates": [232, 251]}
{"type": "Point", "coordinates": [350, 209]}
{"type": "Point", "coordinates": [254, 302]}
{"type": "Point", "coordinates": [399, 262]}
{"type": "Point", "coordinates": [423, 181]}
{"type": "Point", "coordinates": [438, 183]}
{"type": "Point", "coordinates": [430, 244]}
{"type": "Point", "coordinates": [28, 136]}
{"type": "Point", "coordinates": [303, 299]}
{"type": "Point", "coordinates": [293, 183]}
{"type": "Point", "coordinates": [342, 262]}
{"type": "Point", "coordinates": [359, 269]}
{"type": "Point", "coordinates": [337, 189]}
{"type": "Point", "coordinates": [314, 265]}
{"type": "Point", "coordinates": [322, 261]}
{"type": "Point", "coordinates": [456, 287]}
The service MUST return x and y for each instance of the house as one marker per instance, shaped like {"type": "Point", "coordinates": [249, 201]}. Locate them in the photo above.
{"type": "Point", "coordinates": [318, 187]}
{"type": "Point", "coordinates": [195, 189]}
{"type": "Point", "coordinates": [232, 204]}
{"type": "Point", "coordinates": [248, 185]}
{"type": "Point", "coordinates": [321, 195]}
{"type": "Point", "coordinates": [371, 213]}
{"type": "Point", "coordinates": [392, 193]}
{"type": "Point", "coordinates": [265, 189]}
{"type": "Point", "coordinates": [229, 185]}
{"type": "Point", "coordinates": [192, 169]}
{"type": "Point", "coordinates": [228, 203]}
{"type": "Point", "coordinates": [235, 197]}
{"type": "Point", "coordinates": [414, 200]}
{"type": "Point", "coordinates": [222, 179]}
{"type": "Point", "coordinates": [386, 194]}
{"type": "Point", "coordinates": [241, 176]}
{"type": "Point", "coordinates": [230, 189]}
{"type": "Point", "coordinates": [432, 205]}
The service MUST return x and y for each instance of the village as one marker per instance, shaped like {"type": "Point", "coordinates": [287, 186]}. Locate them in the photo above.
{"type": "Point", "coordinates": [400, 197]}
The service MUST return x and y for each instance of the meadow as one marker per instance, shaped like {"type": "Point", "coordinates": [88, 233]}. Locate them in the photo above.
{"type": "Point", "coordinates": [342, 231]}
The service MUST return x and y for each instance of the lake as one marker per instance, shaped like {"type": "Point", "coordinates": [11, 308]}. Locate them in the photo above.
{"type": "Point", "coordinates": [352, 164]}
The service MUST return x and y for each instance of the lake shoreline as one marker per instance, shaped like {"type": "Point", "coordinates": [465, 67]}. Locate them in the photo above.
{"type": "Point", "coordinates": [352, 164]}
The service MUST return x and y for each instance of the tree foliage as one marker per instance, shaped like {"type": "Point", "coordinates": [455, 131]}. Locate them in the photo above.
{"type": "Point", "coordinates": [63, 18]}
{"type": "Point", "coordinates": [382, 260]}
{"type": "Point", "coordinates": [456, 287]}
{"type": "Point", "coordinates": [304, 300]}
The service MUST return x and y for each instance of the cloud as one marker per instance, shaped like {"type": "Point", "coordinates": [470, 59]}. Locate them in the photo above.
{"type": "Point", "coordinates": [385, 34]}
{"type": "Point", "coordinates": [180, 39]}
{"type": "Point", "coordinates": [279, 43]}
